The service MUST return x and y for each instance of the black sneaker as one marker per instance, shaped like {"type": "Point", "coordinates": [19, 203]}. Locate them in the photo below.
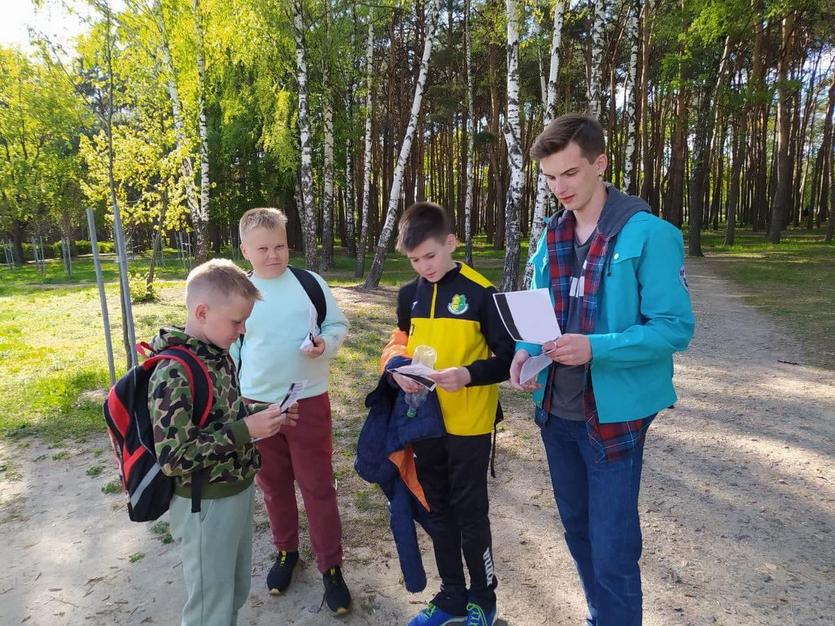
{"type": "Point", "coordinates": [337, 596]}
{"type": "Point", "coordinates": [282, 572]}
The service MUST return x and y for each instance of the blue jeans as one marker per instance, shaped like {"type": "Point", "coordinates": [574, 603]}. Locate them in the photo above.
{"type": "Point", "coordinates": [598, 505]}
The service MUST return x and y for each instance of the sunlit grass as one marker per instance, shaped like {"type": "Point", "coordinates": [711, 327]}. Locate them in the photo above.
{"type": "Point", "coordinates": [793, 281]}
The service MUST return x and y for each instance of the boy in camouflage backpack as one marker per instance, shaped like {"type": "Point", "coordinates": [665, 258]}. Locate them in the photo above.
{"type": "Point", "coordinates": [218, 460]}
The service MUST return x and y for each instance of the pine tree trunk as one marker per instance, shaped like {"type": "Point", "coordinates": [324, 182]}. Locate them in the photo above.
{"type": "Point", "coordinates": [675, 183]}
{"type": "Point", "coordinates": [375, 273]}
{"type": "Point", "coordinates": [543, 197]}
{"type": "Point", "coordinates": [201, 224]}
{"type": "Point", "coordinates": [308, 211]}
{"type": "Point", "coordinates": [826, 156]}
{"type": "Point", "coordinates": [366, 169]}
{"type": "Point", "coordinates": [596, 65]}
{"type": "Point", "coordinates": [515, 159]}
{"type": "Point", "coordinates": [782, 190]}
{"type": "Point", "coordinates": [733, 188]}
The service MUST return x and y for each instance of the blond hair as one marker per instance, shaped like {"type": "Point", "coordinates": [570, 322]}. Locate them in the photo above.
{"type": "Point", "coordinates": [264, 217]}
{"type": "Point", "coordinates": [219, 278]}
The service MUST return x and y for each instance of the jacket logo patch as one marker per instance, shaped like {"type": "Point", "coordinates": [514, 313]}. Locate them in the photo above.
{"type": "Point", "coordinates": [682, 276]}
{"type": "Point", "coordinates": [458, 305]}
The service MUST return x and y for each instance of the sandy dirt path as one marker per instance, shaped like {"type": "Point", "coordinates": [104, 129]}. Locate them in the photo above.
{"type": "Point", "coordinates": [738, 507]}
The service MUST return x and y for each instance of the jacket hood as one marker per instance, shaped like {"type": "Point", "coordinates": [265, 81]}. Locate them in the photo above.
{"type": "Point", "coordinates": [618, 209]}
{"type": "Point", "coordinates": [170, 336]}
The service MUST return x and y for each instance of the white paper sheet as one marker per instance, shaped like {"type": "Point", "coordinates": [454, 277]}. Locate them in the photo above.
{"type": "Point", "coordinates": [528, 315]}
{"type": "Point", "coordinates": [418, 372]}
{"type": "Point", "coordinates": [533, 366]}
{"type": "Point", "coordinates": [312, 329]}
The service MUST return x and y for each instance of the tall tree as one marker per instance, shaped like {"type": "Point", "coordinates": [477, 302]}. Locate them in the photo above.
{"type": "Point", "coordinates": [631, 94]}
{"type": "Point", "coordinates": [515, 159]}
{"type": "Point", "coordinates": [327, 114]}
{"type": "Point", "coordinates": [782, 189]}
{"type": "Point", "coordinates": [595, 70]}
{"type": "Point", "coordinates": [306, 166]}
{"type": "Point", "coordinates": [366, 168]}
{"type": "Point", "coordinates": [468, 201]}
{"type": "Point", "coordinates": [542, 195]}
{"type": "Point", "coordinates": [376, 271]}
{"type": "Point", "coordinates": [201, 221]}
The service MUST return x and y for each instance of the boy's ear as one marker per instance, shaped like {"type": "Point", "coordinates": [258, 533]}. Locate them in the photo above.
{"type": "Point", "coordinates": [244, 251]}
{"type": "Point", "coordinates": [451, 242]}
{"type": "Point", "coordinates": [201, 311]}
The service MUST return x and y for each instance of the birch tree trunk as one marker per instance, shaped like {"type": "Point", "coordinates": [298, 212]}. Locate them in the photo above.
{"type": "Point", "coordinates": [543, 198]}
{"type": "Point", "coordinates": [327, 196]}
{"type": "Point", "coordinates": [596, 65]}
{"type": "Point", "coordinates": [201, 223]}
{"type": "Point", "coordinates": [514, 152]}
{"type": "Point", "coordinates": [186, 165]}
{"type": "Point", "coordinates": [376, 271]}
{"type": "Point", "coordinates": [309, 216]}
{"type": "Point", "coordinates": [632, 95]}
{"type": "Point", "coordinates": [468, 198]}
{"type": "Point", "coordinates": [350, 238]}
{"type": "Point", "coordinates": [366, 169]}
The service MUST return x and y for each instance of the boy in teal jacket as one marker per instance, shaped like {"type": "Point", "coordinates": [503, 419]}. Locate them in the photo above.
{"type": "Point", "coordinates": [617, 280]}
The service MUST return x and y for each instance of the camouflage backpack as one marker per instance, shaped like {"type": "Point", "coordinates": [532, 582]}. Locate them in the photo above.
{"type": "Point", "coordinates": [131, 431]}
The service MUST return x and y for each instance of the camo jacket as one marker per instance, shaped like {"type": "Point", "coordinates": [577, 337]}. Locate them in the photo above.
{"type": "Point", "coordinates": [223, 445]}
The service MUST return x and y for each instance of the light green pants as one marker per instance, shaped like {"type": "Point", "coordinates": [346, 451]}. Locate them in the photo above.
{"type": "Point", "coordinates": [216, 545]}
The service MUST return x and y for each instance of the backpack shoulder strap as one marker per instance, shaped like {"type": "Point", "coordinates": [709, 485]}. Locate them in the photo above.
{"type": "Point", "coordinates": [313, 290]}
{"type": "Point", "coordinates": [202, 390]}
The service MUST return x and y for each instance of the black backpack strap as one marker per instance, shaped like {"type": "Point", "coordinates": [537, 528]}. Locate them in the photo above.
{"type": "Point", "coordinates": [314, 291]}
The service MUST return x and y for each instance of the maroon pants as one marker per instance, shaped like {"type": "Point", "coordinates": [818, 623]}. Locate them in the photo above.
{"type": "Point", "coordinates": [303, 454]}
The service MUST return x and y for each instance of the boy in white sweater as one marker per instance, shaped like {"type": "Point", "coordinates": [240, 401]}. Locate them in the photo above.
{"type": "Point", "coordinates": [277, 350]}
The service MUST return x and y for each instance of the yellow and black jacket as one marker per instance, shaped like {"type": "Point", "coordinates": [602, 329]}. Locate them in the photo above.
{"type": "Point", "coordinates": [458, 317]}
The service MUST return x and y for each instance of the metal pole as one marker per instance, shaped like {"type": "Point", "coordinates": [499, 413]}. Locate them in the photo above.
{"type": "Point", "coordinates": [91, 221]}
{"type": "Point", "coordinates": [122, 259]}
{"type": "Point", "coordinates": [69, 256]}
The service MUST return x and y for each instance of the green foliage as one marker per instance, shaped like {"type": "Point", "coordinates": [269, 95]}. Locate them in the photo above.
{"type": "Point", "coordinates": [112, 487]}
{"type": "Point", "coordinates": [162, 530]}
{"type": "Point", "coordinates": [141, 290]}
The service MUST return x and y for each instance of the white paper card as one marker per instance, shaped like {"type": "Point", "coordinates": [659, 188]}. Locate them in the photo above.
{"type": "Point", "coordinates": [418, 372]}
{"type": "Point", "coordinates": [311, 329]}
{"type": "Point", "coordinates": [533, 366]}
{"type": "Point", "coordinates": [528, 315]}
{"type": "Point", "coordinates": [293, 394]}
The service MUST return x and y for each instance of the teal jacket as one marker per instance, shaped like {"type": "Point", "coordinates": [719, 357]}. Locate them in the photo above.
{"type": "Point", "coordinates": [644, 317]}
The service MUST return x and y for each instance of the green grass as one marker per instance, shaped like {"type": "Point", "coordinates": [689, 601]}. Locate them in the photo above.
{"type": "Point", "coordinates": [53, 368]}
{"type": "Point", "coordinates": [794, 281]}
{"type": "Point", "coordinates": [114, 486]}
{"type": "Point", "coordinates": [162, 531]}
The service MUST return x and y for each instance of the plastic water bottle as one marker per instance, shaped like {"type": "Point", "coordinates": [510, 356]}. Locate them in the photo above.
{"type": "Point", "coordinates": [427, 356]}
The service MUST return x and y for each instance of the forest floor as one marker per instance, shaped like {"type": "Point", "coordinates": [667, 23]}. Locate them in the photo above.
{"type": "Point", "coordinates": [737, 502]}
